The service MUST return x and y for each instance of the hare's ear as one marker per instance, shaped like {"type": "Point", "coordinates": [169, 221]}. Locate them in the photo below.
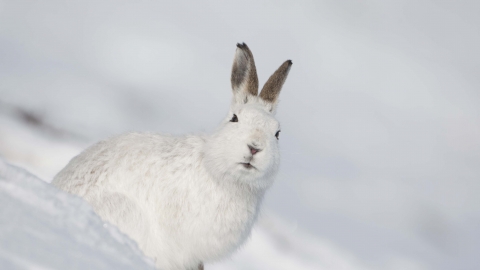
{"type": "Point", "coordinates": [244, 74]}
{"type": "Point", "coordinates": [272, 87]}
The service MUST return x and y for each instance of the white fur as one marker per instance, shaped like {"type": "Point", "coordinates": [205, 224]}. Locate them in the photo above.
{"type": "Point", "coordinates": [185, 200]}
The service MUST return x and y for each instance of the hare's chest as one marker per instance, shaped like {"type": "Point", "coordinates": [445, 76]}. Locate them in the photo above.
{"type": "Point", "coordinates": [224, 224]}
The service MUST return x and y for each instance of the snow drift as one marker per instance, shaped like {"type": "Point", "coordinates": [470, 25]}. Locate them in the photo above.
{"type": "Point", "coordinates": [43, 227]}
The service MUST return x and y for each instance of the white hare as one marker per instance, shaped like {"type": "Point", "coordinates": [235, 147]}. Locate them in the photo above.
{"type": "Point", "coordinates": [191, 199]}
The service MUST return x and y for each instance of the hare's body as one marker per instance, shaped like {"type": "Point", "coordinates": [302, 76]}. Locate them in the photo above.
{"type": "Point", "coordinates": [192, 199]}
{"type": "Point", "coordinates": [156, 190]}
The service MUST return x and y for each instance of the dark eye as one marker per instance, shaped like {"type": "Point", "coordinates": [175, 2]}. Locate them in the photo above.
{"type": "Point", "coordinates": [277, 134]}
{"type": "Point", "coordinates": [234, 118]}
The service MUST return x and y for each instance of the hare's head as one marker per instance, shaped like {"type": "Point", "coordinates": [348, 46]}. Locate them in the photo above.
{"type": "Point", "coordinates": [245, 146]}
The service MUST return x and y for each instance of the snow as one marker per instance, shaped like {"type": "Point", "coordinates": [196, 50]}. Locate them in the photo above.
{"type": "Point", "coordinates": [45, 228]}
{"type": "Point", "coordinates": [380, 113]}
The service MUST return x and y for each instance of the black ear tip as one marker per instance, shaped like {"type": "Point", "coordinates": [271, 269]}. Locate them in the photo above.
{"type": "Point", "coordinates": [289, 62]}
{"type": "Point", "coordinates": [241, 45]}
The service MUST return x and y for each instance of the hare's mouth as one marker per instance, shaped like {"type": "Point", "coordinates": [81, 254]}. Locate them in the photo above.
{"type": "Point", "coordinates": [248, 166]}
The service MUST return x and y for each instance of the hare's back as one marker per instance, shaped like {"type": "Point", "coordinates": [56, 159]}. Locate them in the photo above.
{"type": "Point", "coordinates": [126, 160]}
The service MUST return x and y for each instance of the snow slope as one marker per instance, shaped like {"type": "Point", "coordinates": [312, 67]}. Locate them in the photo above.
{"type": "Point", "coordinates": [42, 227]}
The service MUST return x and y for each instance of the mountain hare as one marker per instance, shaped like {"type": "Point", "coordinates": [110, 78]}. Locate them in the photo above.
{"type": "Point", "coordinates": [191, 199]}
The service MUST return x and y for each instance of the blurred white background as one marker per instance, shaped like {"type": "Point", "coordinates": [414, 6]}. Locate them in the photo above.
{"type": "Point", "coordinates": [380, 114]}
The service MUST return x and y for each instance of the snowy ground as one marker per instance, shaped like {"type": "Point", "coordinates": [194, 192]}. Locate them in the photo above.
{"type": "Point", "coordinates": [45, 228]}
{"type": "Point", "coordinates": [380, 113]}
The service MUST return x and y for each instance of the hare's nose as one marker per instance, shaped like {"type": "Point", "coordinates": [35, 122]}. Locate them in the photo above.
{"type": "Point", "coordinates": [253, 150]}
